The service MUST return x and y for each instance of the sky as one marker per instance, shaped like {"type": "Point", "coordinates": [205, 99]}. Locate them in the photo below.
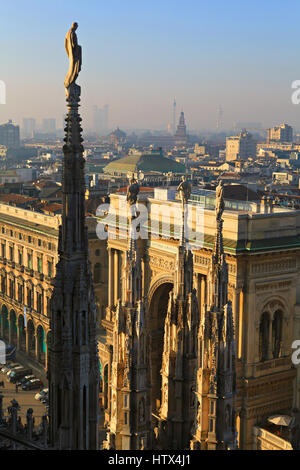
{"type": "Point", "coordinates": [139, 55]}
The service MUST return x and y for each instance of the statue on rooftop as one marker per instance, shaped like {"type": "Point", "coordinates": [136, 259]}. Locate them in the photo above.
{"type": "Point", "coordinates": [132, 191]}
{"type": "Point", "coordinates": [184, 190]}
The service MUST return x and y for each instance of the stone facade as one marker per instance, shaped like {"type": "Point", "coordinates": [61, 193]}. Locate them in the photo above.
{"type": "Point", "coordinates": [262, 255]}
{"type": "Point", "coordinates": [28, 258]}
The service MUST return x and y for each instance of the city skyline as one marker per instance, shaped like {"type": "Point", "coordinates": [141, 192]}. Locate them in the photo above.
{"type": "Point", "coordinates": [139, 57]}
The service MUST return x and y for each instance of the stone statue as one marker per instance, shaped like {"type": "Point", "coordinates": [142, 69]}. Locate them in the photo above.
{"type": "Point", "coordinates": [74, 54]}
{"type": "Point", "coordinates": [132, 191]}
{"type": "Point", "coordinates": [220, 205]}
{"type": "Point", "coordinates": [184, 190]}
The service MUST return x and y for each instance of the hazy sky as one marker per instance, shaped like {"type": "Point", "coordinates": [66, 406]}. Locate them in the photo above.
{"type": "Point", "coordinates": [138, 55]}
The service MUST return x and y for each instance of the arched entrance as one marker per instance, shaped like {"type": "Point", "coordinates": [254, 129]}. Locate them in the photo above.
{"type": "Point", "coordinates": [157, 311]}
{"type": "Point", "coordinates": [5, 323]}
{"type": "Point", "coordinates": [13, 328]}
{"type": "Point", "coordinates": [41, 344]}
{"type": "Point", "coordinates": [22, 333]}
{"type": "Point", "coordinates": [31, 338]}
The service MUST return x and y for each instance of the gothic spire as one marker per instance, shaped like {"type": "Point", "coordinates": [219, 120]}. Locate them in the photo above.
{"type": "Point", "coordinates": [73, 371]}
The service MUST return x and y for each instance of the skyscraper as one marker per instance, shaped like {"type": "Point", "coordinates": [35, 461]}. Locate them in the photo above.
{"type": "Point", "coordinates": [49, 125]}
{"type": "Point", "coordinates": [100, 119]}
{"type": "Point", "coordinates": [29, 125]}
{"type": "Point", "coordinates": [10, 135]}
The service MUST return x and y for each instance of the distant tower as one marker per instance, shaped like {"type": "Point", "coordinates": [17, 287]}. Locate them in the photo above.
{"type": "Point", "coordinates": [73, 371]}
{"type": "Point", "coordinates": [106, 118]}
{"type": "Point", "coordinates": [174, 116]}
{"type": "Point", "coordinates": [219, 117]}
{"type": "Point", "coordinates": [180, 137]}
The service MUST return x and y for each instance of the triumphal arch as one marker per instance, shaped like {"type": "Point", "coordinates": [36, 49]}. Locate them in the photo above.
{"type": "Point", "coordinates": [261, 246]}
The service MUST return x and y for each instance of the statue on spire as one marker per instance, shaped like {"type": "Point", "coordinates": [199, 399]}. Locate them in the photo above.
{"type": "Point", "coordinates": [75, 57]}
{"type": "Point", "coordinates": [220, 205]}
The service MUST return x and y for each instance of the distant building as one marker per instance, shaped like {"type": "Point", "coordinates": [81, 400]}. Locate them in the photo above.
{"type": "Point", "coordinates": [100, 118]}
{"type": "Point", "coordinates": [180, 137]}
{"type": "Point", "coordinates": [18, 175]}
{"type": "Point", "coordinates": [49, 126]}
{"type": "Point", "coordinates": [29, 127]}
{"type": "Point", "coordinates": [282, 133]}
{"type": "Point", "coordinates": [117, 137]}
{"type": "Point", "coordinates": [241, 146]}
{"type": "Point", "coordinates": [10, 135]}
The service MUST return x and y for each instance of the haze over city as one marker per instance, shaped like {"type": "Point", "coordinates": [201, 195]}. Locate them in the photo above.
{"type": "Point", "coordinates": [138, 56]}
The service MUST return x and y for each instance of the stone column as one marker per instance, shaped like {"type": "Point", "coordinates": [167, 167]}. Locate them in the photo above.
{"type": "Point", "coordinates": [37, 346]}
{"type": "Point", "coordinates": [110, 277]}
{"type": "Point", "coordinates": [27, 339]}
{"type": "Point", "coordinates": [46, 352]}
{"type": "Point", "coordinates": [241, 320]}
{"type": "Point", "coordinates": [236, 315]}
{"type": "Point", "coordinates": [29, 423]}
{"type": "Point", "coordinates": [9, 329]}
{"type": "Point", "coordinates": [270, 352]}
{"type": "Point", "coordinates": [203, 294]}
{"type": "Point", "coordinates": [116, 277]}
{"type": "Point", "coordinates": [18, 334]}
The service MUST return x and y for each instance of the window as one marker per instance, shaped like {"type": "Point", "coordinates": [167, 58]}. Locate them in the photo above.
{"type": "Point", "coordinates": [29, 239]}
{"type": "Point", "coordinates": [97, 273]}
{"type": "Point", "coordinates": [29, 259]}
{"type": "Point", "coordinates": [277, 334]}
{"type": "Point", "coordinates": [11, 288]}
{"type": "Point", "coordinates": [3, 230]}
{"type": "Point", "coordinates": [20, 236]}
{"type": "Point", "coordinates": [264, 337]}
{"type": "Point", "coordinates": [50, 266]}
{"type": "Point", "coordinates": [3, 284]}
{"type": "Point", "coordinates": [97, 252]}
{"type": "Point", "coordinates": [50, 246]}
{"type": "Point", "coordinates": [29, 297]}
{"type": "Point", "coordinates": [39, 302]}
{"type": "Point", "coordinates": [11, 253]}
{"type": "Point", "coordinates": [20, 293]}
{"type": "Point", "coordinates": [3, 250]}
{"type": "Point", "coordinates": [11, 233]}
{"type": "Point", "coordinates": [20, 257]}
{"type": "Point", "coordinates": [39, 242]}
{"type": "Point", "coordinates": [39, 264]}
{"type": "Point", "coordinates": [48, 306]}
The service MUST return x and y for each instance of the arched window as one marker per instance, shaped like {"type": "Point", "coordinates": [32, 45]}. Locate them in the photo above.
{"type": "Point", "coordinates": [264, 337]}
{"type": "Point", "coordinates": [277, 334]}
{"type": "Point", "coordinates": [97, 273]}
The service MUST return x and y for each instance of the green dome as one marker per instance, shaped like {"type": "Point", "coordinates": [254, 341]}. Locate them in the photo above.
{"type": "Point", "coordinates": [145, 162]}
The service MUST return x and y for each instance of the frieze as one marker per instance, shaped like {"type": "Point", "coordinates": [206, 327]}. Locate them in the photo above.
{"type": "Point", "coordinates": [274, 266]}
{"type": "Point", "coordinates": [162, 263]}
{"type": "Point", "coordinates": [204, 261]}
{"type": "Point", "coordinates": [271, 286]}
